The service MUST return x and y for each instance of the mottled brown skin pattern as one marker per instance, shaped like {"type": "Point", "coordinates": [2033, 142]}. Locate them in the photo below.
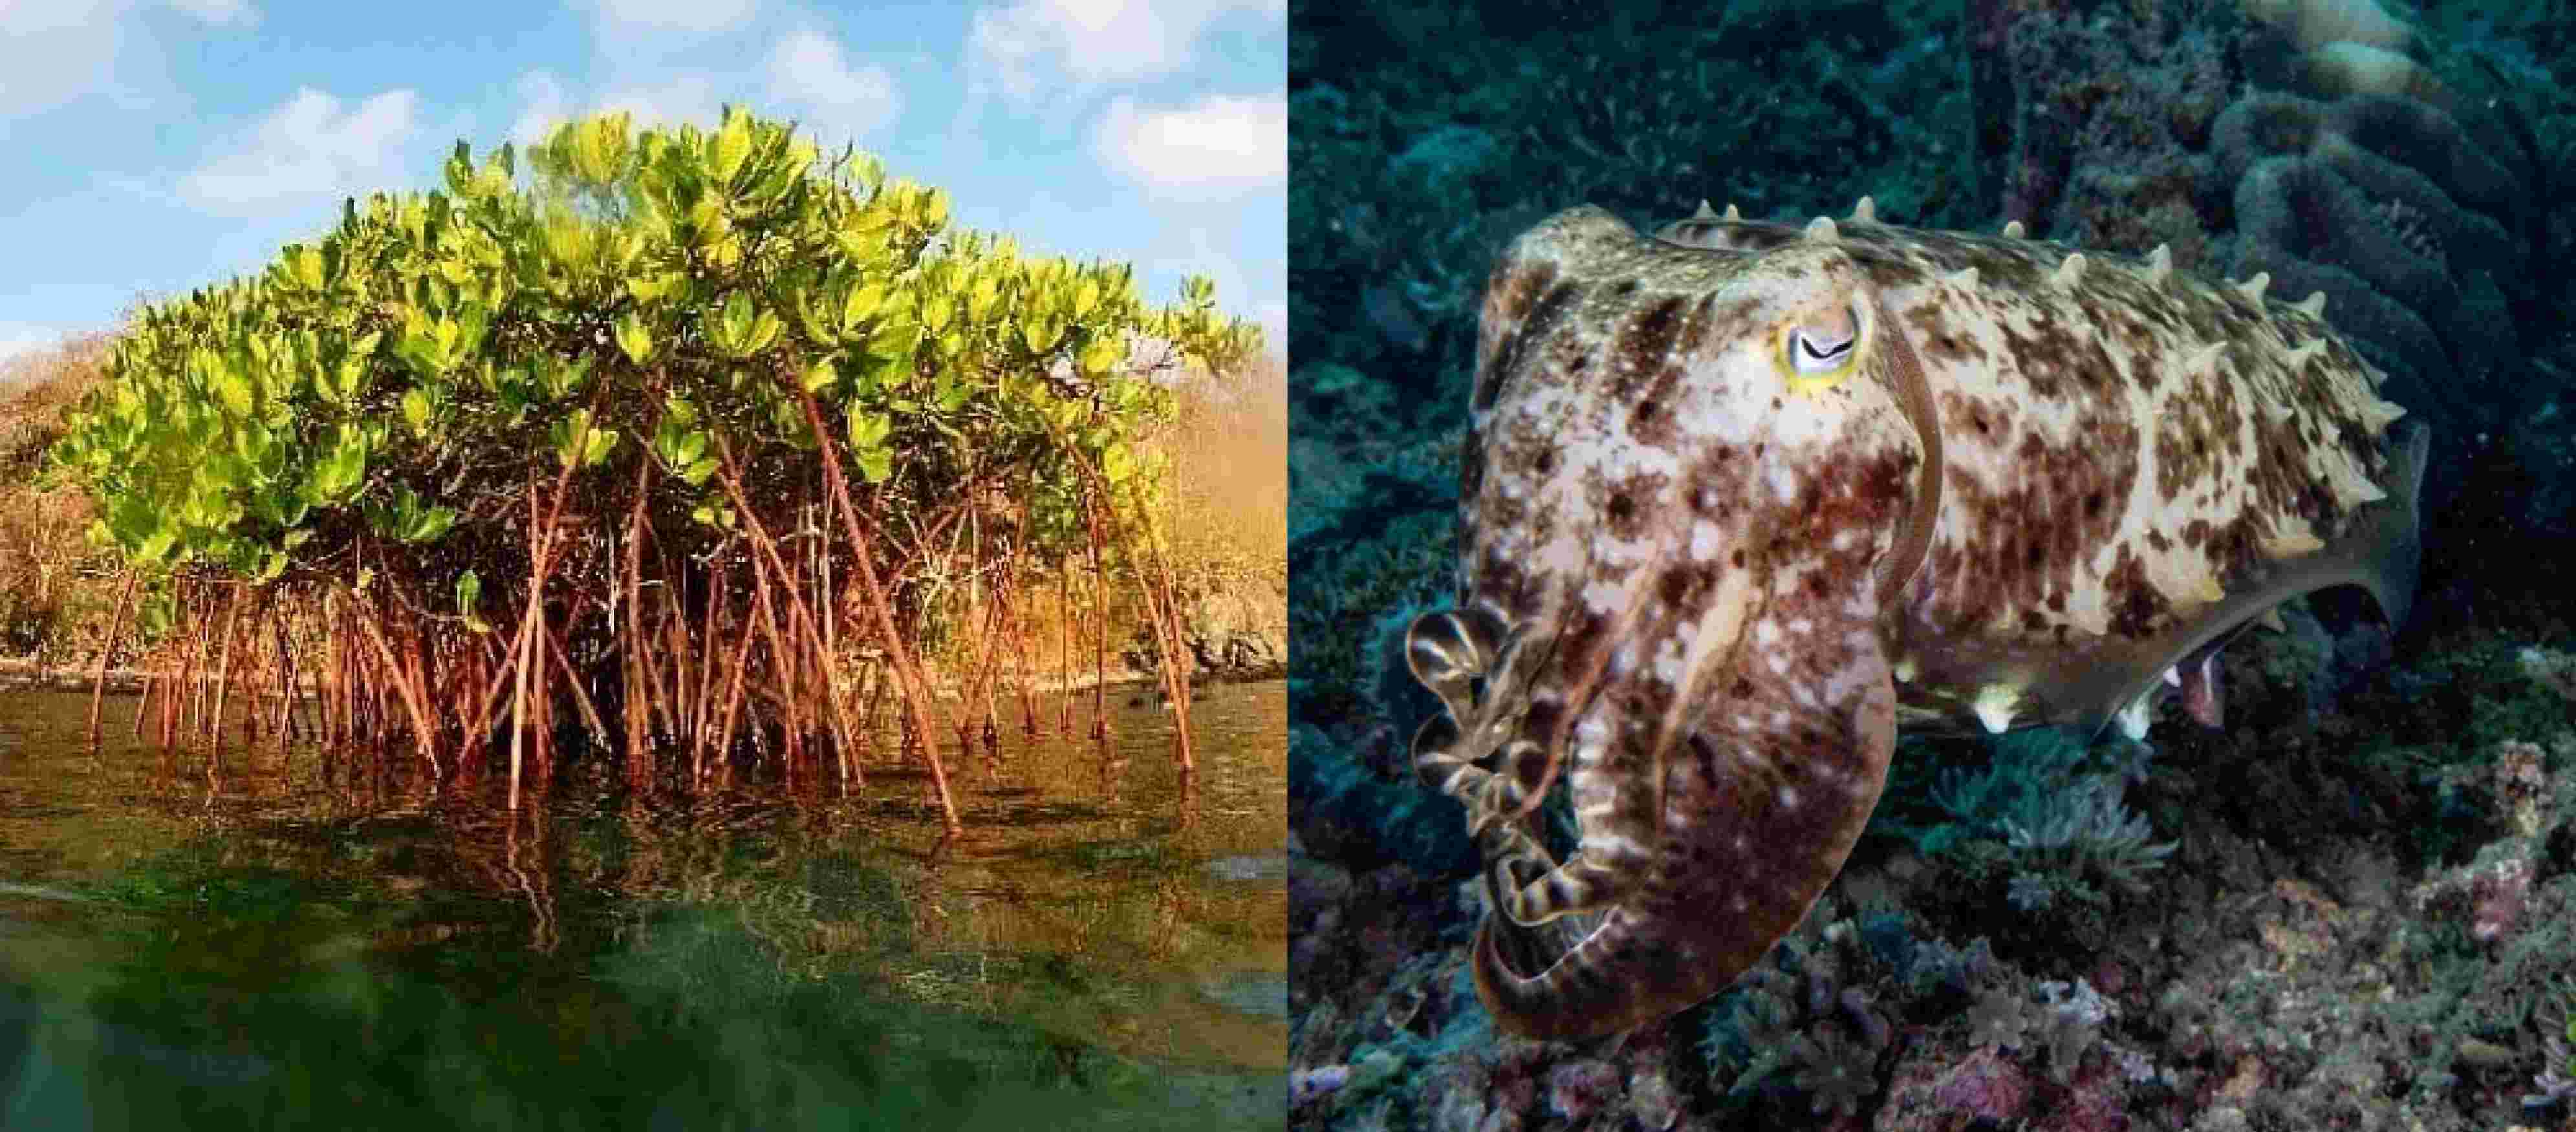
{"type": "Point", "coordinates": [1704, 589]}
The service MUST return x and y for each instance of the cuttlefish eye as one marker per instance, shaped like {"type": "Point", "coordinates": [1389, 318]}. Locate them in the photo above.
{"type": "Point", "coordinates": [1811, 351]}
{"type": "Point", "coordinates": [1818, 352]}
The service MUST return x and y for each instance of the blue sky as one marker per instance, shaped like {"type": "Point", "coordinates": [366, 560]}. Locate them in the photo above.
{"type": "Point", "coordinates": [161, 145]}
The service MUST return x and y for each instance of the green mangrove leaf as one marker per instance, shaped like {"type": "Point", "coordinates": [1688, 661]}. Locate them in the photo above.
{"type": "Point", "coordinates": [948, 392]}
{"type": "Point", "coordinates": [416, 409]}
{"type": "Point", "coordinates": [572, 435]}
{"type": "Point", "coordinates": [868, 430]}
{"type": "Point", "coordinates": [735, 329]}
{"type": "Point", "coordinates": [1101, 355]}
{"type": "Point", "coordinates": [306, 265]}
{"type": "Point", "coordinates": [875, 464]}
{"type": "Point", "coordinates": [428, 525]}
{"type": "Point", "coordinates": [764, 332]}
{"type": "Point", "coordinates": [339, 471]}
{"type": "Point", "coordinates": [731, 144]}
{"type": "Point", "coordinates": [632, 338]}
{"type": "Point", "coordinates": [861, 305]}
{"type": "Point", "coordinates": [651, 288]}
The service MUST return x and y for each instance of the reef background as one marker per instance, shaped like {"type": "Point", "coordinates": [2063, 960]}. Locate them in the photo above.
{"type": "Point", "coordinates": [2353, 908]}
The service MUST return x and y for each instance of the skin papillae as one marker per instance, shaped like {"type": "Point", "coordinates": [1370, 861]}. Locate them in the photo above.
{"type": "Point", "coordinates": [1743, 498]}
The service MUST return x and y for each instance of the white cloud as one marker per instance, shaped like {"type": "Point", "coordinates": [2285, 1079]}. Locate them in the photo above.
{"type": "Point", "coordinates": [693, 16]}
{"type": "Point", "coordinates": [545, 102]}
{"type": "Point", "coordinates": [219, 11]}
{"type": "Point", "coordinates": [547, 107]}
{"type": "Point", "coordinates": [309, 148]}
{"type": "Point", "coordinates": [687, 99]}
{"type": "Point", "coordinates": [808, 69]}
{"type": "Point", "coordinates": [1018, 48]}
{"type": "Point", "coordinates": [57, 50]}
{"type": "Point", "coordinates": [1218, 147]}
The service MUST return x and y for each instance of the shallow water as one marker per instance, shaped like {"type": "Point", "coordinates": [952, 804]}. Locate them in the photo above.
{"type": "Point", "coordinates": [249, 942]}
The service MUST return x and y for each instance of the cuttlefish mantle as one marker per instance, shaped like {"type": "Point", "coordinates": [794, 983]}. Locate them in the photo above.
{"type": "Point", "coordinates": [1743, 499]}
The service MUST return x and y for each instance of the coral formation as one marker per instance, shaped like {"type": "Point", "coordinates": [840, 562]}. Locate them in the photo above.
{"type": "Point", "coordinates": [2388, 207]}
{"type": "Point", "coordinates": [1800, 1031]}
{"type": "Point", "coordinates": [2042, 810]}
{"type": "Point", "coordinates": [2313, 24]}
{"type": "Point", "coordinates": [2107, 123]}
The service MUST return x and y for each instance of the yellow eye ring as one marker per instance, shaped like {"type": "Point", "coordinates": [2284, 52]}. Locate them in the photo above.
{"type": "Point", "coordinates": [1816, 354]}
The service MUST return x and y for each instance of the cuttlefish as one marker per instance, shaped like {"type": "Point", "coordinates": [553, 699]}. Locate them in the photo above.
{"type": "Point", "coordinates": [1742, 499]}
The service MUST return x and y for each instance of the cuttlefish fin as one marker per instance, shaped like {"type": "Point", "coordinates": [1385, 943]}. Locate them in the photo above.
{"type": "Point", "coordinates": [2379, 551]}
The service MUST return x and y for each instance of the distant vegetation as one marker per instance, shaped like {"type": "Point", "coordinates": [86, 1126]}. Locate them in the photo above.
{"type": "Point", "coordinates": [689, 442]}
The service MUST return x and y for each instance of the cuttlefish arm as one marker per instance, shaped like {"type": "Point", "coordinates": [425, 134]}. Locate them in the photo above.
{"type": "Point", "coordinates": [1697, 479]}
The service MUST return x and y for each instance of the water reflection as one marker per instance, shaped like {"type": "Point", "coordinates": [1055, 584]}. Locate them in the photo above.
{"type": "Point", "coordinates": [255, 941]}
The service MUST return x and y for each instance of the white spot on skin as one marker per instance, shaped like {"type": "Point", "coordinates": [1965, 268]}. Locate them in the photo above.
{"type": "Point", "coordinates": [1706, 540]}
{"type": "Point", "coordinates": [1788, 796]}
{"type": "Point", "coordinates": [1845, 682]}
{"type": "Point", "coordinates": [1603, 595]}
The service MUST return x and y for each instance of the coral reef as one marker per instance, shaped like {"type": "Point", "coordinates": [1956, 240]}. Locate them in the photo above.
{"type": "Point", "coordinates": [2039, 811]}
{"type": "Point", "coordinates": [2315, 24]}
{"type": "Point", "coordinates": [2107, 123]}
{"type": "Point", "coordinates": [2388, 207]}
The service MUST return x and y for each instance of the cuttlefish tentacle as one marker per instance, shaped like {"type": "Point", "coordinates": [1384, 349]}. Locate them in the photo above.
{"type": "Point", "coordinates": [1449, 651]}
{"type": "Point", "coordinates": [1742, 857]}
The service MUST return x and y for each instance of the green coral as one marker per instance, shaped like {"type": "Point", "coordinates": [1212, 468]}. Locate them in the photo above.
{"type": "Point", "coordinates": [2044, 809]}
{"type": "Point", "coordinates": [1798, 1033]}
